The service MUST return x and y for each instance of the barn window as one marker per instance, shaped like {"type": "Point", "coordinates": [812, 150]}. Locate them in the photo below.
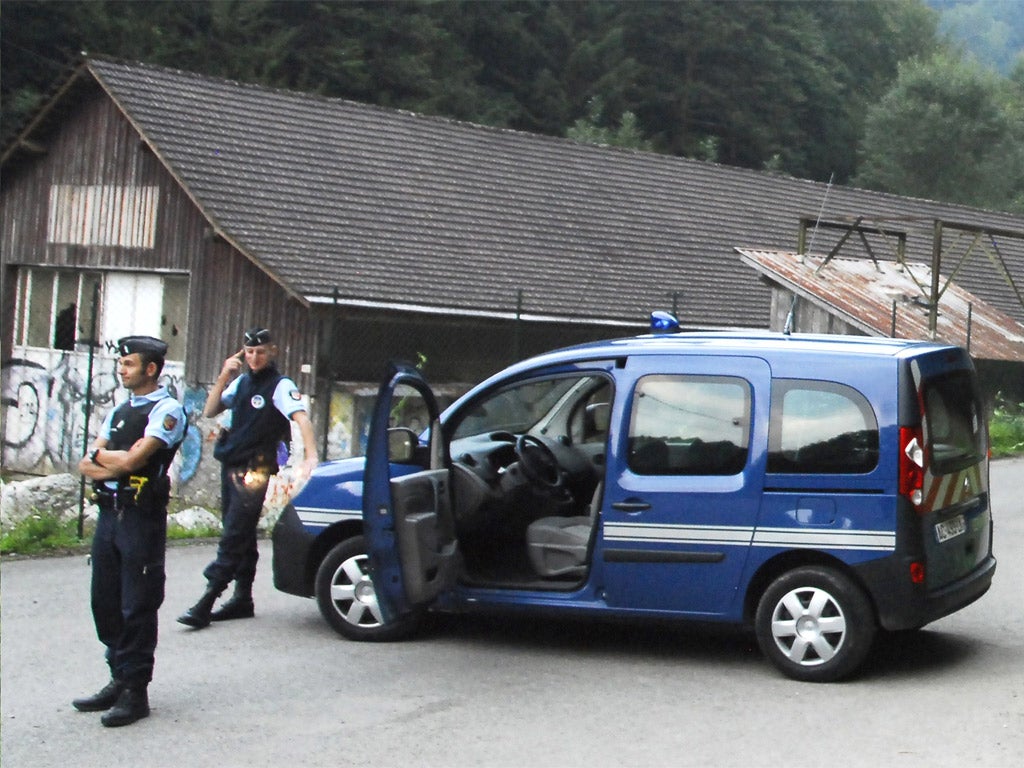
{"type": "Point", "coordinates": [102, 214]}
{"type": "Point", "coordinates": [54, 308]}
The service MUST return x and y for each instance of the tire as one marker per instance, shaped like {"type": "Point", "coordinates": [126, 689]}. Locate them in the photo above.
{"type": "Point", "coordinates": [347, 599]}
{"type": "Point", "coordinates": [815, 624]}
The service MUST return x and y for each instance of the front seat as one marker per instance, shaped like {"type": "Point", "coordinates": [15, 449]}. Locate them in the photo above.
{"type": "Point", "coordinates": [557, 546]}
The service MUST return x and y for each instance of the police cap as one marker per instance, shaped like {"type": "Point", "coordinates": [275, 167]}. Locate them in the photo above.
{"type": "Point", "coordinates": [154, 347]}
{"type": "Point", "coordinates": [256, 336]}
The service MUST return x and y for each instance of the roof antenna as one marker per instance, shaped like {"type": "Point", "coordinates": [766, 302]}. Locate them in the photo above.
{"type": "Point", "coordinates": [787, 328]}
{"type": "Point", "coordinates": [817, 221]}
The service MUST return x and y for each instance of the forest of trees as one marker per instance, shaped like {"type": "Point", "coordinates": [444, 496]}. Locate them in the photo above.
{"type": "Point", "coordinates": [912, 97]}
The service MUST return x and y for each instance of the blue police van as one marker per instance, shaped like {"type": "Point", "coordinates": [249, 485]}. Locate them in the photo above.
{"type": "Point", "coordinates": [815, 488]}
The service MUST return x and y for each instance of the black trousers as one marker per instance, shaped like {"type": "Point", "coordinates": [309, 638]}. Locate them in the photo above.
{"type": "Point", "coordinates": [128, 552]}
{"type": "Point", "coordinates": [243, 490]}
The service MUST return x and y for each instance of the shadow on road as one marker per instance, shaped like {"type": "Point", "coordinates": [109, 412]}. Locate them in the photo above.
{"type": "Point", "coordinates": [917, 653]}
{"type": "Point", "coordinates": [695, 643]}
{"type": "Point", "coordinates": [921, 653]}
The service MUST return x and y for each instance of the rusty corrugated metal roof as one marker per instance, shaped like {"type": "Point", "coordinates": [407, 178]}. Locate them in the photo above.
{"type": "Point", "coordinates": [861, 292]}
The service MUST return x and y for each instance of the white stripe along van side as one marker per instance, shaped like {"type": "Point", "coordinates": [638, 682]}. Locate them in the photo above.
{"type": "Point", "coordinates": [321, 517]}
{"type": "Point", "coordinates": [795, 538]}
{"type": "Point", "coordinates": [679, 534]}
{"type": "Point", "coordinates": [818, 539]}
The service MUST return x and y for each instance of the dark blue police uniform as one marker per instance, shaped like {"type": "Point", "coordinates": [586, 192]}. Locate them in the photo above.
{"type": "Point", "coordinates": [128, 547]}
{"type": "Point", "coordinates": [262, 403]}
{"type": "Point", "coordinates": [248, 456]}
{"type": "Point", "coordinates": [131, 534]}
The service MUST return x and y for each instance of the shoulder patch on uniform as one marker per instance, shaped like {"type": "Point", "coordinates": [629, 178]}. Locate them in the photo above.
{"type": "Point", "coordinates": [296, 395]}
{"type": "Point", "coordinates": [170, 422]}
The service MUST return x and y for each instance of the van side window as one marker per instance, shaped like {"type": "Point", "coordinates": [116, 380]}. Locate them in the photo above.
{"type": "Point", "coordinates": [689, 425]}
{"type": "Point", "coordinates": [820, 427]}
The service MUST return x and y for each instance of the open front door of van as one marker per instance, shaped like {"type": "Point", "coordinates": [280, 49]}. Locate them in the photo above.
{"type": "Point", "coordinates": [407, 518]}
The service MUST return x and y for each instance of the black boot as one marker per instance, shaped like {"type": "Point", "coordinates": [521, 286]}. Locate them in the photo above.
{"type": "Point", "coordinates": [198, 615]}
{"type": "Point", "coordinates": [132, 705]}
{"type": "Point", "coordinates": [104, 699]}
{"type": "Point", "coordinates": [240, 606]}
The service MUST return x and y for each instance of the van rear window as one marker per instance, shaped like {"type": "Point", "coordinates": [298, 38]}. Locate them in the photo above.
{"type": "Point", "coordinates": [953, 425]}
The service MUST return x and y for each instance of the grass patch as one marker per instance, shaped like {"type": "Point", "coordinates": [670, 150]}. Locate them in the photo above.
{"type": "Point", "coordinates": [47, 533]}
{"type": "Point", "coordinates": [176, 532]}
{"type": "Point", "coordinates": [40, 532]}
{"type": "Point", "coordinates": [1006, 428]}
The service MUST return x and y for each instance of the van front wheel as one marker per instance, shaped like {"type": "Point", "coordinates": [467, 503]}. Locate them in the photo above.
{"type": "Point", "coordinates": [815, 624]}
{"type": "Point", "coordinates": [347, 597]}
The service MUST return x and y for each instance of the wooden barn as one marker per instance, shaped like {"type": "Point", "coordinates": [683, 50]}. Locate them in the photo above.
{"type": "Point", "coordinates": [140, 199]}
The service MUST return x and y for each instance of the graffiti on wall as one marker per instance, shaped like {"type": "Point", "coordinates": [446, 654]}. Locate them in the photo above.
{"type": "Point", "coordinates": [44, 430]}
{"type": "Point", "coordinates": [43, 395]}
{"type": "Point", "coordinates": [339, 430]}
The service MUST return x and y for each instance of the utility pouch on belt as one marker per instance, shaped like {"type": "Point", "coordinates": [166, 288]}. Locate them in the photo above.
{"type": "Point", "coordinates": [150, 491]}
{"type": "Point", "coordinates": [136, 491]}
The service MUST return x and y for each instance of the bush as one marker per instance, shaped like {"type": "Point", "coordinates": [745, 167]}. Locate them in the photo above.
{"type": "Point", "coordinates": [1006, 428]}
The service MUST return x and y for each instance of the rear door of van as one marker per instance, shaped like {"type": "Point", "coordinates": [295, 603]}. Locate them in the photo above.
{"type": "Point", "coordinates": [944, 465]}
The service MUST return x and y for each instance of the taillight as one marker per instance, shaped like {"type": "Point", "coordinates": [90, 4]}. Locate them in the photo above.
{"type": "Point", "coordinates": [912, 464]}
{"type": "Point", "coordinates": [917, 573]}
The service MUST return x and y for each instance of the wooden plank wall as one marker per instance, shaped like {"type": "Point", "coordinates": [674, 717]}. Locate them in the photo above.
{"type": "Point", "coordinates": [94, 144]}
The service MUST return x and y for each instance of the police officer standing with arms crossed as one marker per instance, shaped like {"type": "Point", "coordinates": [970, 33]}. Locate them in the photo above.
{"type": "Point", "coordinates": [262, 403]}
{"type": "Point", "coordinates": [128, 464]}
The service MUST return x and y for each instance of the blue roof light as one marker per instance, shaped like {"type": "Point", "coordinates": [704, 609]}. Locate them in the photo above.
{"type": "Point", "coordinates": [664, 322]}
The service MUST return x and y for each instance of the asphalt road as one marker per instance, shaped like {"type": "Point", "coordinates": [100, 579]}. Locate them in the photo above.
{"type": "Point", "coordinates": [283, 689]}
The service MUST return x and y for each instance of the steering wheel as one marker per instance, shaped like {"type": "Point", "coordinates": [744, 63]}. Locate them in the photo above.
{"type": "Point", "coordinates": [539, 463]}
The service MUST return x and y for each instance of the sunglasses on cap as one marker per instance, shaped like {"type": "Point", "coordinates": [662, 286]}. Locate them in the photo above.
{"type": "Point", "coordinates": [254, 337]}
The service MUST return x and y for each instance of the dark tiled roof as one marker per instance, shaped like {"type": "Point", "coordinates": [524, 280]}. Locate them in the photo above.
{"type": "Point", "coordinates": [393, 208]}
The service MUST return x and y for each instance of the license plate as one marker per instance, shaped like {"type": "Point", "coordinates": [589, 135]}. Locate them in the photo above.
{"type": "Point", "coordinates": [950, 529]}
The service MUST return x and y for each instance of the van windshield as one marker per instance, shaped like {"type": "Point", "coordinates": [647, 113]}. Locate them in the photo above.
{"type": "Point", "coordinates": [954, 426]}
{"type": "Point", "coordinates": [519, 407]}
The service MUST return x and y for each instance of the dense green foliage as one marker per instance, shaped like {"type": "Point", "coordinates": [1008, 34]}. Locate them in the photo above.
{"type": "Point", "coordinates": [1006, 428]}
{"type": "Point", "coordinates": [950, 130]}
{"type": "Point", "coordinates": [814, 89]}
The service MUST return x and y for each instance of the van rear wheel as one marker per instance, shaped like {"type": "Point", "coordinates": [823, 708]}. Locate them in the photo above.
{"type": "Point", "coordinates": [815, 624]}
{"type": "Point", "coordinates": [347, 598]}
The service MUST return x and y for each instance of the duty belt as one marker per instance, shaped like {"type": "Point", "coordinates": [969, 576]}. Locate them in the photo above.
{"type": "Point", "coordinates": [122, 494]}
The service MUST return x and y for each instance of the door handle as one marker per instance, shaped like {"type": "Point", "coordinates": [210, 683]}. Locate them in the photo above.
{"type": "Point", "coordinates": [630, 506]}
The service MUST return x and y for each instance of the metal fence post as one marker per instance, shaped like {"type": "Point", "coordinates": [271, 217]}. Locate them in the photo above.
{"type": "Point", "coordinates": [88, 404]}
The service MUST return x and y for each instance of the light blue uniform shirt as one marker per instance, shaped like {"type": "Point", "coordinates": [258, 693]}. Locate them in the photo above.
{"type": "Point", "coordinates": [287, 398]}
{"type": "Point", "coordinates": [165, 413]}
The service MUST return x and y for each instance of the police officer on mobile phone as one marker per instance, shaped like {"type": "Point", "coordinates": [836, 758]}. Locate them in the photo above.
{"type": "Point", "coordinates": [128, 465]}
{"type": "Point", "coordinates": [263, 403]}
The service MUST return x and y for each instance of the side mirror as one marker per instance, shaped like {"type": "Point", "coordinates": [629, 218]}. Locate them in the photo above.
{"type": "Point", "coordinates": [402, 444]}
{"type": "Point", "coordinates": [598, 417]}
